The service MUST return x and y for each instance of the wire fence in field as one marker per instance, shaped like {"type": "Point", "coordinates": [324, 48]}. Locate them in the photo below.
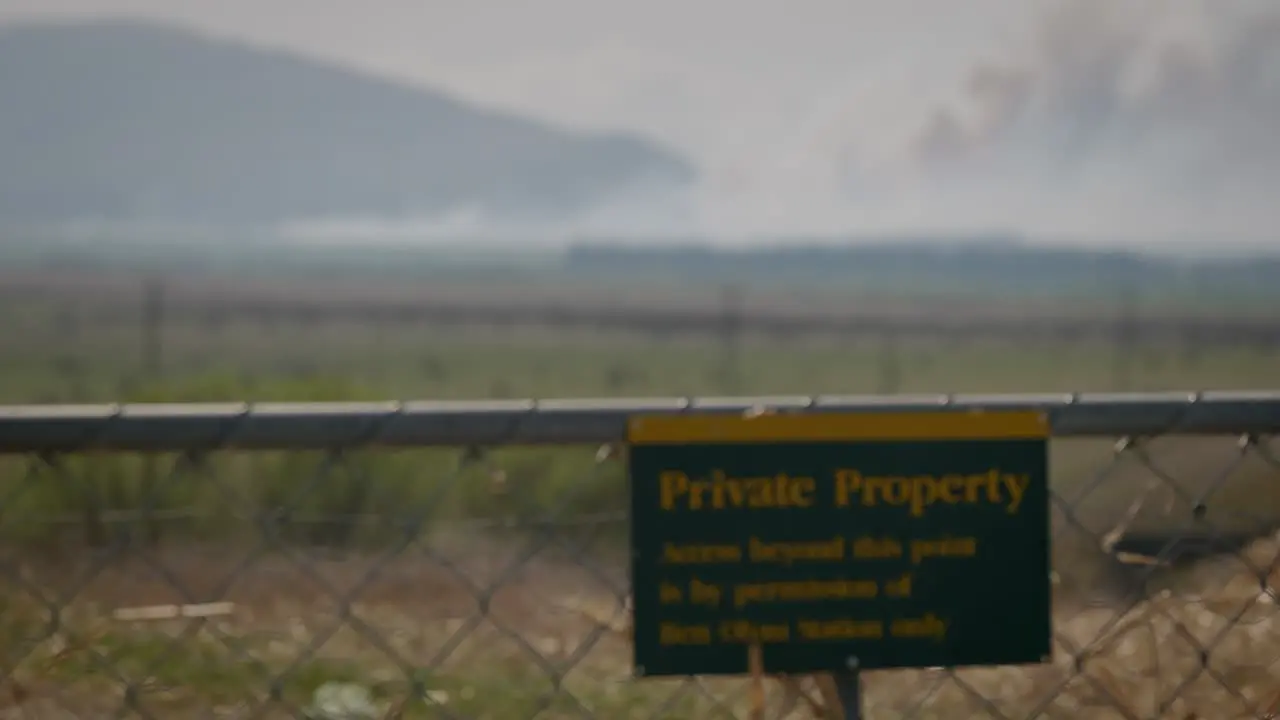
{"type": "Point", "coordinates": [469, 560]}
{"type": "Point", "coordinates": [145, 328]}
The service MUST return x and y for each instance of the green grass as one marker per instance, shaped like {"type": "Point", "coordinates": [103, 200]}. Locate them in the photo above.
{"type": "Point", "coordinates": [45, 363]}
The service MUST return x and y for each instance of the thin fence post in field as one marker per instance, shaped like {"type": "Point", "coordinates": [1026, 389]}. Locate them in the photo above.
{"type": "Point", "coordinates": [890, 376]}
{"type": "Point", "coordinates": [731, 339]}
{"type": "Point", "coordinates": [849, 687]}
{"type": "Point", "coordinates": [153, 302]}
{"type": "Point", "coordinates": [1126, 328]}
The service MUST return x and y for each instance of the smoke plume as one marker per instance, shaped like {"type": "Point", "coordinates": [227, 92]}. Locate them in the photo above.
{"type": "Point", "coordinates": [1170, 108]}
{"type": "Point", "coordinates": [1146, 120]}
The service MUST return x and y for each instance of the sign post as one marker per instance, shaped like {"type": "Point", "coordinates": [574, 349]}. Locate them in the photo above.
{"type": "Point", "coordinates": [839, 543]}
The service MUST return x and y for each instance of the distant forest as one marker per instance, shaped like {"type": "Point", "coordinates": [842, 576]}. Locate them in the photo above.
{"type": "Point", "coordinates": [985, 267]}
{"type": "Point", "coordinates": [130, 122]}
{"type": "Point", "coordinates": [978, 265]}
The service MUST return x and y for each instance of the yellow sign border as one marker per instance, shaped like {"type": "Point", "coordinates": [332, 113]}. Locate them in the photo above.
{"type": "Point", "coordinates": [836, 427]}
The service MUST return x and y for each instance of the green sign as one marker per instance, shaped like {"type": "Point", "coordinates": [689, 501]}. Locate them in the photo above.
{"type": "Point", "coordinates": [837, 541]}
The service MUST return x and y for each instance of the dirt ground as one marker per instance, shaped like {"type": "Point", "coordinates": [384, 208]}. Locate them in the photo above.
{"type": "Point", "coordinates": [475, 607]}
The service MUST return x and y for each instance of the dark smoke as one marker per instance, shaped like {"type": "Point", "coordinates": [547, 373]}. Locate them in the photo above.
{"type": "Point", "coordinates": [1181, 98]}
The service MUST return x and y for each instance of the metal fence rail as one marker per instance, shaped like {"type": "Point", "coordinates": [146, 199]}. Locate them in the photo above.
{"type": "Point", "coordinates": [467, 559]}
{"type": "Point", "coordinates": [312, 426]}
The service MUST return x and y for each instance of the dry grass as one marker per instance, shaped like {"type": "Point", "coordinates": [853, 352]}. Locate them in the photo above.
{"type": "Point", "coordinates": [554, 639]}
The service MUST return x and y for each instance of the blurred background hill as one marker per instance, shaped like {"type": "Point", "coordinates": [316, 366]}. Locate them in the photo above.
{"type": "Point", "coordinates": [133, 122]}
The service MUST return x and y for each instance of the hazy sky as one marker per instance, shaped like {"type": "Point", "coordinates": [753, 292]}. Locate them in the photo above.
{"type": "Point", "coordinates": [1059, 116]}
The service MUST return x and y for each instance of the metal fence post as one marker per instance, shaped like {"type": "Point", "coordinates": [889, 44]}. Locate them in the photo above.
{"type": "Point", "coordinates": [849, 687]}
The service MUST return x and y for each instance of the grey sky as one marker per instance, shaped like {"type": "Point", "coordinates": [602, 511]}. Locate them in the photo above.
{"type": "Point", "coordinates": [686, 71]}
{"type": "Point", "coordinates": [805, 114]}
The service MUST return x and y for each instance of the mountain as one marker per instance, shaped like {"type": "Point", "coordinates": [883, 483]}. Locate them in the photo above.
{"type": "Point", "coordinates": [128, 121]}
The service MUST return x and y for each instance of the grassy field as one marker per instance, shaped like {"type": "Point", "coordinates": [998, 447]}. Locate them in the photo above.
{"type": "Point", "coordinates": [77, 340]}
{"type": "Point", "coordinates": [118, 531]}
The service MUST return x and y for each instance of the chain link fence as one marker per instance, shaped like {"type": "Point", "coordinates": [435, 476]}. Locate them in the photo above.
{"type": "Point", "coordinates": [468, 560]}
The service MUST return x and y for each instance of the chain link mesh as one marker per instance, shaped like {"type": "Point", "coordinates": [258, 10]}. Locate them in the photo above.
{"type": "Point", "coordinates": [491, 583]}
